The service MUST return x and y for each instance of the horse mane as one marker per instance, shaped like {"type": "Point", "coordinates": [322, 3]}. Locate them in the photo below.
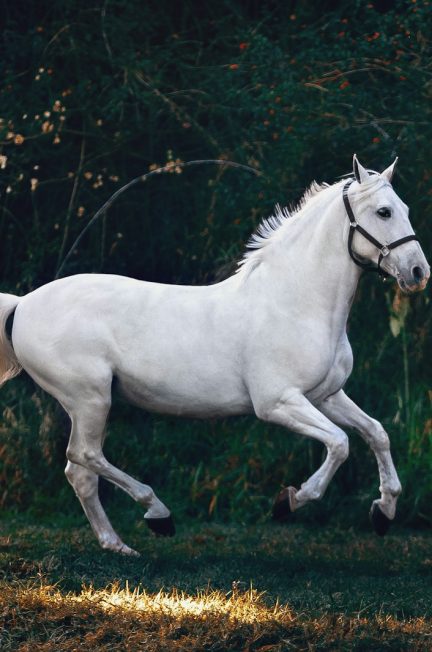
{"type": "Point", "coordinates": [269, 228]}
{"type": "Point", "coordinates": [269, 225]}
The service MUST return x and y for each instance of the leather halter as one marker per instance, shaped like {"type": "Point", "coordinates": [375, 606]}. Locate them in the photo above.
{"type": "Point", "coordinates": [355, 226]}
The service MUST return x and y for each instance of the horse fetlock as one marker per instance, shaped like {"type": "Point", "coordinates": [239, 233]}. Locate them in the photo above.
{"type": "Point", "coordinates": [396, 490]}
{"type": "Point", "coordinates": [391, 492]}
{"type": "Point", "coordinates": [144, 496]}
{"type": "Point", "coordinates": [306, 494]}
{"type": "Point", "coordinates": [117, 545]}
{"type": "Point", "coordinates": [108, 542]}
{"type": "Point", "coordinates": [390, 489]}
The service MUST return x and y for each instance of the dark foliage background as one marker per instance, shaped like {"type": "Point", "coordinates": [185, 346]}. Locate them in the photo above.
{"type": "Point", "coordinates": [96, 93]}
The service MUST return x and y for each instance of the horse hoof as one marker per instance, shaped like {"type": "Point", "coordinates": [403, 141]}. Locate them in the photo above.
{"type": "Point", "coordinates": [284, 504]}
{"type": "Point", "coordinates": [162, 527]}
{"type": "Point", "coordinates": [379, 520]}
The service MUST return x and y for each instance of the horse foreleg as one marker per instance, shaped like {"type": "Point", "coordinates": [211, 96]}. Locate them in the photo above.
{"type": "Point", "coordinates": [346, 413]}
{"type": "Point", "coordinates": [85, 484]}
{"type": "Point", "coordinates": [297, 414]}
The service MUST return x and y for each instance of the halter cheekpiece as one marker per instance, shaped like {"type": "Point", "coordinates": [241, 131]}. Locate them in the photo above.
{"type": "Point", "coordinates": [355, 226]}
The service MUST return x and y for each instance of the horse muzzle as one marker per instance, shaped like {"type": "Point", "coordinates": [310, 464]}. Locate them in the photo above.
{"type": "Point", "coordinates": [414, 279]}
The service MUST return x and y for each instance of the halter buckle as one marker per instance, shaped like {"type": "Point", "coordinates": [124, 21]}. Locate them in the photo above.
{"type": "Point", "coordinates": [354, 224]}
{"type": "Point", "coordinates": [385, 251]}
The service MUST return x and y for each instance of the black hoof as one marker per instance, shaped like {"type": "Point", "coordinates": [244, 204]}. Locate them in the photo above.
{"type": "Point", "coordinates": [162, 527]}
{"type": "Point", "coordinates": [282, 508]}
{"type": "Point", "coordinates": [379, 520]}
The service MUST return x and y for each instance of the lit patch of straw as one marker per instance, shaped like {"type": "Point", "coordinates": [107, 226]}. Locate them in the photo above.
{"type": "Point", "coordinates": [247, 607]}
{"type": "Point", "coordinates": [212, 620]}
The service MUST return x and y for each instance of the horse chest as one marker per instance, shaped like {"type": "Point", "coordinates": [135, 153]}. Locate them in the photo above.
{"type": "Point", "coordinates": [336, 375]}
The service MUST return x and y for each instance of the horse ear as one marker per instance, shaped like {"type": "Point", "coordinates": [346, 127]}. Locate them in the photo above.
{"type": "Point", "coordinates": [360, 173]}
{"type": "Point", "coordinates": [389, 172]}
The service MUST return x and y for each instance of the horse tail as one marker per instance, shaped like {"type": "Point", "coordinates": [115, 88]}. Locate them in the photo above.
{"type": "Point", "coordinates": [9, 365]}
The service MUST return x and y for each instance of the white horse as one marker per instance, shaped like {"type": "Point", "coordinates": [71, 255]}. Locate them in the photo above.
{"type": "Point", "coordinates": [269, 340]}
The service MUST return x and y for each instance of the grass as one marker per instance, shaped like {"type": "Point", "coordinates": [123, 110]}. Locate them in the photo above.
{"type": "Point", "coordinates": [214, 588]}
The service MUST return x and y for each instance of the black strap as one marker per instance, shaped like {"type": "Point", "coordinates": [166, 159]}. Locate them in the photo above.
{"type": "Point", "coordinates": [391, 246]}
{"type": "Point", "coordinates": [354, 226]}
{"type": "Point", "coordinates": [407, 238]}
{"type": "Point", "coordinates": [9, 324]}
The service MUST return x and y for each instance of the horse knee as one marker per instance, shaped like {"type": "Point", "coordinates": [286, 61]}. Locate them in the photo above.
{"type": "Point", "coordinates": [340, 448]}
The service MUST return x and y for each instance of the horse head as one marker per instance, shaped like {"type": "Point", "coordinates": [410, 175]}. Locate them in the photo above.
{"type": "Point", "coordinates": [378, 214]}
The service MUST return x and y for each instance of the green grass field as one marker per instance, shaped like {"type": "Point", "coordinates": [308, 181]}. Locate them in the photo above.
{"type": "Point", "coordinates": [214, 587]}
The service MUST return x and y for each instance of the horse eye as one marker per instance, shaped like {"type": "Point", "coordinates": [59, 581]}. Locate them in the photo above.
{"type": "Point", "coordinates": [384, 212]}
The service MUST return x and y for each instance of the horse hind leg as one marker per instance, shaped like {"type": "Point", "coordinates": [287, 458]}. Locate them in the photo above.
{"type": "Point", "coordinates": [85, 484]}
{"type": "Point", "coordinates": [85, 450]}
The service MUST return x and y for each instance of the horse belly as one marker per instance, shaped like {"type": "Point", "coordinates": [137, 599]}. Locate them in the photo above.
{"type": "Point", "coordinates": [185, 394]}
{"type": "Point", "coordinates": [182, 358]}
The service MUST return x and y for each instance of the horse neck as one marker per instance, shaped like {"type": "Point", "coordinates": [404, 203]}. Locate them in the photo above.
{"type": "Point", "coordinates": [309, 265]}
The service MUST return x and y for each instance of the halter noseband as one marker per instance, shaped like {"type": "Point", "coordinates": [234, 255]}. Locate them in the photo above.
{"type": "Point", "coordinates": [355, 226]}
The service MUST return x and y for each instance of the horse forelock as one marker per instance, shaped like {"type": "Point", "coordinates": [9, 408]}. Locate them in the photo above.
{"type": "Point", "coordinates": [374, 182]}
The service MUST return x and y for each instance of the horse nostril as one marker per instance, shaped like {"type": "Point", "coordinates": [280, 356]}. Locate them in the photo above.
{"type": "Point", "coordinates": [418, 274]}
